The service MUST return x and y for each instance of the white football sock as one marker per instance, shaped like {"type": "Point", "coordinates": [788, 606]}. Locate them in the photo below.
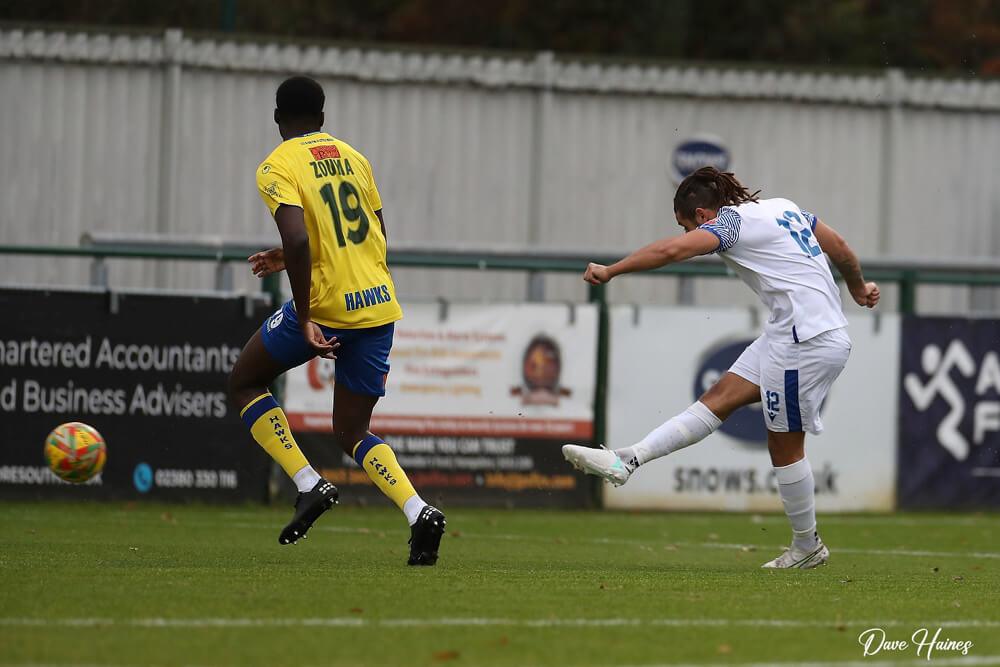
{"type": "Point", "coordinates": [412, 507]}
{"type": "Point", "coordinates": [798, 494]}
{"type": "Point", "coordinates": [305, 479]}
{"type": "Point", "coordinates": [687, 428]}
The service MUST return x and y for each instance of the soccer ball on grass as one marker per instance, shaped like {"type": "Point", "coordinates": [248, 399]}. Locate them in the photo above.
{"type": "Point", "coordinates": [75, 451]}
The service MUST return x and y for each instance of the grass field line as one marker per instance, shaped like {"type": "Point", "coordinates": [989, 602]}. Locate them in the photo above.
{"type": "Point", "coordinates": [869, 552]}
{"type": "Point", "coordinates": [356, 622]}
{"type": "Point", "coordinates": [707, 519]}
{"type": "Point", "coordinates": [941, 662]}
{"type": "Point", "coordinates": [825, 519]}
{"type": "Point", "coordinates": [707, 543]}
{"type": "Point", "coordinates": [596, 540]}
{"type": "Point", "coordinates": [910, 521]}
{"type": "Point", "coordinates": [636, 543]}
{"type": "Point", "coordinates": [962, 660]}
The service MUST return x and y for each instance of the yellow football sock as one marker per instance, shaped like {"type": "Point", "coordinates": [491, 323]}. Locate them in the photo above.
{"type": "Point", "coordinates": [269, 427]}
{"type": "Point", "coordinates": [379, 461]}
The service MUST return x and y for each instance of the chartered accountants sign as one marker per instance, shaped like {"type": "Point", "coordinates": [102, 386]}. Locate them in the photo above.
{"type": "Point", "coordinates": [149, 372]}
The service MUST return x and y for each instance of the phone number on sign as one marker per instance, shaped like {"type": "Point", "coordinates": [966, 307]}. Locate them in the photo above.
{"type": "Point", "coordinates": [197, 479]}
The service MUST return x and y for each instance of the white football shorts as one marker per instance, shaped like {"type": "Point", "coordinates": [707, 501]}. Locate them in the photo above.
{"type": "Point", "coordinates": [794, 378]}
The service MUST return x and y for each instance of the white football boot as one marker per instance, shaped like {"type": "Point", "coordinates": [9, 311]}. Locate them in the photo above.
{"type": "Point", "coordinates": [804, 560]}
{"type": "Point", "coordinates": [601, 462]}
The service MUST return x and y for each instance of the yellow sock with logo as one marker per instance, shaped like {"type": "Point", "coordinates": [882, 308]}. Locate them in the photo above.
{"type": "Point", "coordinates": [379, 461]}
{"type": "Point", "coordinates": [269, 427]}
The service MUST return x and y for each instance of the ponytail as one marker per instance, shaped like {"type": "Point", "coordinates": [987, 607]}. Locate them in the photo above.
{"type": "Point", "coordinates": [710, 188]}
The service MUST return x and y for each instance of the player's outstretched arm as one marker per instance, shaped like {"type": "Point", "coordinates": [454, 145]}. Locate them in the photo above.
{"type": "Point", "coordinates": [654, 255]}
{"type": "Point", "coordinates": [833, 244]}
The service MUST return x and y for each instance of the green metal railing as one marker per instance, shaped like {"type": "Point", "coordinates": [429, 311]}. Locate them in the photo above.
{"type": "Point", "coordinates": [904, 273]}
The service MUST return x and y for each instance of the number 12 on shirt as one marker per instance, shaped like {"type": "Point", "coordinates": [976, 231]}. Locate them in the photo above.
{"type": "Point", "coordinates": [802, 237]}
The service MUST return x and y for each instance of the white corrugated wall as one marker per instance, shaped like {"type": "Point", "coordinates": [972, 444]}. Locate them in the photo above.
{"type": "Point", "coordinates": [483, 151]}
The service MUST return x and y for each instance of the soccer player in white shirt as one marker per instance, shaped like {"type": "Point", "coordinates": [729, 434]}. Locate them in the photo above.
{"type": "Point", "coordinates": [777, 249]}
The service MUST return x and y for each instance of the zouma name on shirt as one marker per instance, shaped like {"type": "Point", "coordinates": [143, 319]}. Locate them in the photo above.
{"type": "Point", "coordinates": [332, 167]}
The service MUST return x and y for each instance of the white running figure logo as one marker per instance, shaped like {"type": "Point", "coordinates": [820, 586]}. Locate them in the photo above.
{"type": "Point", "coordinates": [939, 368]}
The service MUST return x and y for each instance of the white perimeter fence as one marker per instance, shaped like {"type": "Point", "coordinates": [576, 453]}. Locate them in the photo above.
{"type": "Point", "coordinates": [160, 134]}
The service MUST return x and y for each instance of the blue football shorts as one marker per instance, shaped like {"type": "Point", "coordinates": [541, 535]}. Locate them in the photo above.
{"type": "Point", "coordinates": [362, 359]}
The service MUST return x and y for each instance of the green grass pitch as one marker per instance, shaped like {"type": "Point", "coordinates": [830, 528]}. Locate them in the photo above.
{"type": "Point", "coordinates": [113, 584]}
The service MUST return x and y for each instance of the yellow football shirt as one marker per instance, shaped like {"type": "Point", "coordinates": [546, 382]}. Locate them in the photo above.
{"type": "Point", "coordinates": [333, 185]}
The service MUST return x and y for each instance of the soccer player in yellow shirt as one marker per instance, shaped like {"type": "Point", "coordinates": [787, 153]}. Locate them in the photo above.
{"type": "Point", "coordinates": [329, 214]}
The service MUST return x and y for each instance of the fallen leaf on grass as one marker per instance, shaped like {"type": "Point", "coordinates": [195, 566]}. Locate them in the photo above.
{"type": "Point", "coordinates": [30, 531]}
{"type": "Point", "coordinates": [846, 581]}
{"type": "Point", "coordinates": [559, 540]}
{"type": "Point", "coordinates": [457, 533]}
{"type": "Point", "coordinates": [356, 610]}
{"type": "Point", "coordinates": [841, 628]}
{"type": "Point", "coordinates": [974, 567]}
{"type": "Point", "coordinates": [502, 641]}
{"type": "Point", "coordinates": [724, 648]}
{"type": "Point", "coordinates": [671, 547]}
{"type": "Point", "coordinates": [957, 603]}
{"type": "Point", "coordinates": [957, 578]}
{"type": "Point", "coordinates": [446, 655]}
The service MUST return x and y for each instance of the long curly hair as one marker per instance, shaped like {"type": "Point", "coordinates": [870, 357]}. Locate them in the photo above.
{"type": "Point", "coordinates": [710, 188]}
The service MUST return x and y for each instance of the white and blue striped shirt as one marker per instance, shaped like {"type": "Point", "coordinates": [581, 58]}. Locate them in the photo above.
{"type": "Point", "coordinates": [769, 244]}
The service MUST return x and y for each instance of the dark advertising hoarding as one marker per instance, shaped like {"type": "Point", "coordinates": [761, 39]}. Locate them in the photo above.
{"type": "Point", "coordinates": [147, 371]}
{"type": "Point", "coordinates": [949, 413]}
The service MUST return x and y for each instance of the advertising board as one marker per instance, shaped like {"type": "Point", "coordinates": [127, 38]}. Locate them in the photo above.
{"type": "Point", "coordinates": [479, 400]}
{"type": "Point", "coordinates": [149, 373]}
{"type": "Point", "coordinates": [662, 359]}
{"type": "Point", "coordinates": [949, 413]}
